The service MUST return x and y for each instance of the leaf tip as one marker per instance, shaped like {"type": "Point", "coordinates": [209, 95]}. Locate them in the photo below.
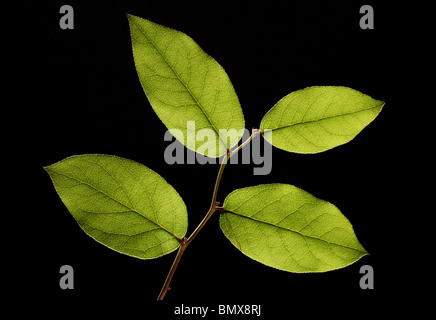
{"type": "Point", "coordinates": [129, 17]}
{"type": "Point", "coordinates": [47, 168]}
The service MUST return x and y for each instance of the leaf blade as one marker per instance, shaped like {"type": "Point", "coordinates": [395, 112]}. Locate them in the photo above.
{"type": "Point", "coordinates": [121, 204]}
{"type": "Point", "coordinates": [316, 119]}
{"type": "Point", "coordinates": [287, 228]}
{"type": "Point", "coordinates": [183, 83]}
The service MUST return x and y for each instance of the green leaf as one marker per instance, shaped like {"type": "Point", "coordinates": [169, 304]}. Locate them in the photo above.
{"type": "Point", "coordinates": [121, 204]}
{"type": "Point", "coordinates": [182, 84]}
{"type": "Point", "coordinates": [316, 119]}
{"type": "Point", "coordinates": [287, 228]}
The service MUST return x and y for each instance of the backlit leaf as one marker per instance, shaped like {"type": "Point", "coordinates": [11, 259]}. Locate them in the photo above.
{"type": "Point", "coordinates": [187, 88]}
{"type": "Point", "coordinates": [121, 204]}
{"type": "Point", "coordinates": [287, 228]}
{"type": "Point", "coordinates": [316, 119]}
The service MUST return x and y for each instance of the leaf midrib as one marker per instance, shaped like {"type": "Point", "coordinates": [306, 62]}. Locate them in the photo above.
{"type": "Point", "coordinates": [294, 231]}
{"type": "Point", "coordinates": [325, 118]}
{"type": "Point", "coordinates": [117, 201]}
{"type": "Point", "coordinates": [182, 82]}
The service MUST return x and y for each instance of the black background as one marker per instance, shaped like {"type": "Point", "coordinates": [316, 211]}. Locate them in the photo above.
{"type": "Point", "coordinates": [85, 97]}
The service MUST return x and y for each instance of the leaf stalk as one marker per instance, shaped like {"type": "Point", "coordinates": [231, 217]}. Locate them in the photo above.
{"type": "Point", "coordinates": [184, 244]}
{"type": "Point", "coordinates": [213, 207]}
